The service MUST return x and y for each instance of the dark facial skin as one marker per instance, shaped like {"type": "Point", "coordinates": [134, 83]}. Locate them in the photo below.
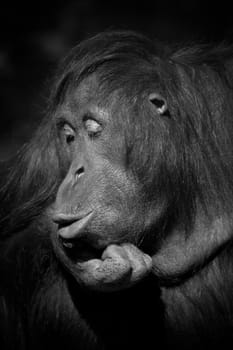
{"type": "Point", "coordinates": [99, 201]}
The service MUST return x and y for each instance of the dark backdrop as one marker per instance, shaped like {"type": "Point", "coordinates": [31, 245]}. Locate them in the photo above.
{"type": "Point", "coordinates": [34, 36]}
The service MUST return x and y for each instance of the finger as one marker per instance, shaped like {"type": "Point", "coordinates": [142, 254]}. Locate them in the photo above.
{"type": "Point", "coordinates": [136, 256]}
{"type": "Point", "coordinates": [108, 274]}
{"type": "Point", "coordinates": [140, 262]}
{"type": "Point", "coordinates": [119, 268]}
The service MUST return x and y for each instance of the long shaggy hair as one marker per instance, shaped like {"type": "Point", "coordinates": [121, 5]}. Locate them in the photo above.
{"type": "Point", "coordinates": [196, 164]}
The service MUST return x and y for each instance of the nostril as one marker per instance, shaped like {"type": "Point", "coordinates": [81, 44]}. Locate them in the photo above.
{"type": "Point", "coordinates": [79, 172]}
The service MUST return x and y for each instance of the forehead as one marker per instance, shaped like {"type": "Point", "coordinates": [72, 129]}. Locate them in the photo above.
{"type": "Point", "coordinates": [87, 92]}
{"type": "Point", "coordinates": [90, 93]}
{"type": "Point", "coordinates": [103, 97]}
{"type": "Point", "coordinates": [89, 97]}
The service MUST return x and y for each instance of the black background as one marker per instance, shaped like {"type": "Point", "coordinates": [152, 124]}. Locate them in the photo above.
{"type": "Point", "coordinates": [35, 35]}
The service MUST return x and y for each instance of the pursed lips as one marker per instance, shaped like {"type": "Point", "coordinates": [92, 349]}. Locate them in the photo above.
{"type": "Point", "coordinates": [71, 227]}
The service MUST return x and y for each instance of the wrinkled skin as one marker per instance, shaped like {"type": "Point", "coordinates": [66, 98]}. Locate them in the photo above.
{"type": "Point", "coordinates": [99, 209]}
{"type": "Point", "coordinates": [131, 176]}
{"type": "Point", "coordinates": [104, 213]}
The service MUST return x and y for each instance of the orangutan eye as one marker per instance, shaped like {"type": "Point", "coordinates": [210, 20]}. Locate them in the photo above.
{"type": "Point", "coordinates": [68, 133]}
{"type": "Point", "coordinates": [92, 127]}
